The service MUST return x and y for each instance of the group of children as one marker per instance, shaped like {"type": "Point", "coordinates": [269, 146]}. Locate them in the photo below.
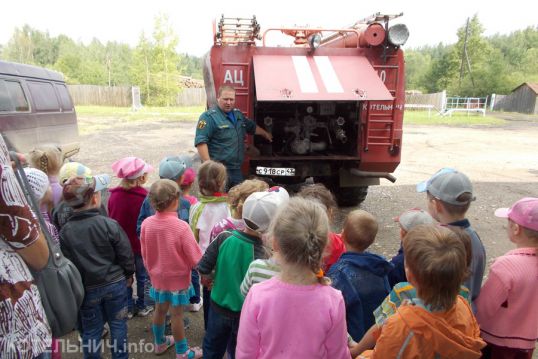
{"type": "Point", "coordinates": [276, 282]}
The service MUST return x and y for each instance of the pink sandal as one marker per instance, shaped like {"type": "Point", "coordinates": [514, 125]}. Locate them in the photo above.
{"type": "Point", "coordinates": [192, 353]}
{"type": "Point", "coordinates": [162, 348]}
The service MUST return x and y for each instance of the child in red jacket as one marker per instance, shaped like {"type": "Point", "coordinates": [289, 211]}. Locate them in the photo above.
{"type": "Point", "coordinates": [124, 206]}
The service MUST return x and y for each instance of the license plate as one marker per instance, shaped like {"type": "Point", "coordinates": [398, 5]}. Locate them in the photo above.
{"type": "Point", "coordinates": [275, 171]}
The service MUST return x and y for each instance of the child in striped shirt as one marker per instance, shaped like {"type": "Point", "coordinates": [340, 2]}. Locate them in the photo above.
{"type": "Point", "coordinates": [259, 271]}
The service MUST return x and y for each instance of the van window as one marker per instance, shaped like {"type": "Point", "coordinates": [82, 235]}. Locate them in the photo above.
{"type": "Point", "coordinates": [65, 99]}
{"type": "Point", "coordinates": [17, 96]}
{"type": "Point", "coordinates": [44, 96]}
{"type": "Point", "coordinates": [5, 101]}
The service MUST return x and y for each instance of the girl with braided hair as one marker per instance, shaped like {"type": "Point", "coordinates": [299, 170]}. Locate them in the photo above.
{"type": "Point", "coordinates": [295, 314]}
{"type": "Point", "coordinates": [49, 159]}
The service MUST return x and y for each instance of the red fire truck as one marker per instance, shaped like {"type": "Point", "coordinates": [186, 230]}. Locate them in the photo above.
{"type": "Point", "coordinates": [333, 100]}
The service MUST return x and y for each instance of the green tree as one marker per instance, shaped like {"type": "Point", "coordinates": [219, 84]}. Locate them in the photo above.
{"type": "Point", "coordinates": [443, 70]}
{"type": "Point", "coordinates": [31, 46]}
{"type": "Point", "coordinates": [141, 68]}
{"type": "Point", "coordinates": [191, 66]}
{"type": "Point", "coordinates": [70, 60]}
{"type": "Point", "coordinates": [118, 58]}
{"type": "Point", "coordinates": [20, 47]}
{"type": "Point", "coordinates": [473, 51]}
{"type": "Point", "coordinates": [156, 64]}
{"type": "Point", "coordinates": [166, 61]}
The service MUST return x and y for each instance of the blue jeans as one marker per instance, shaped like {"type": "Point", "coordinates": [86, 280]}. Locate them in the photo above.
{"type": "Point", "coordinates": [235, 176]}
{"type": "Point", "coordinates": [100, 305]}
{"type": "Point", "coordinates": [221, 334]}
{"type": "Point", "coordinates": [142, 279]}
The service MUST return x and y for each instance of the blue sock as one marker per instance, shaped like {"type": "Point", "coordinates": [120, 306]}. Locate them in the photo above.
{"type": "Point", "coordinates": [158, 333]}
{"type": "Point", "coordinates": [181, 346]}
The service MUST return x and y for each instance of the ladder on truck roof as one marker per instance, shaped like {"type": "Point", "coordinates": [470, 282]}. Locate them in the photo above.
{"type": "Point", "coordinates": [236, 30]}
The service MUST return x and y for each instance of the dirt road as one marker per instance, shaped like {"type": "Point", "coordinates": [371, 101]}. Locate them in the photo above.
{"type": "Point", "coordinates": [502, 162]}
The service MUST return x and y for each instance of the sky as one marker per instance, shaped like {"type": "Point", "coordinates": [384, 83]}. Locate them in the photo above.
{"type": "Point", "coordinates": [123, 21]}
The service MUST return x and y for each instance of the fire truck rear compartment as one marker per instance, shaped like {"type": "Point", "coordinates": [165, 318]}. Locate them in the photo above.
{"type": "Point", "coordinates": [308, 130]}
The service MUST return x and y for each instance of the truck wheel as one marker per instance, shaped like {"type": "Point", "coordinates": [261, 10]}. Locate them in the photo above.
{"type": "Point", "coordinates": [350, 196]}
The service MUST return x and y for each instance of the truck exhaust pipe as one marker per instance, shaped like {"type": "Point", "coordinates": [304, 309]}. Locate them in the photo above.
{"type": "Point", "coordinates": [367, 174]}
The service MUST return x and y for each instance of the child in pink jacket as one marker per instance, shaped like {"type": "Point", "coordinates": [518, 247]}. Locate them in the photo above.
{"type": "Point", "coordinates": [295, 314]}
{"type": "Point", "coordinates": [170, 252]}
{"type": "Point", "coordinates": [507, 309]}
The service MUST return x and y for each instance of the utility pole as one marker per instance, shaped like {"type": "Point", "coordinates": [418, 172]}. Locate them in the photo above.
{"type": "Point", "coordinates": [465, 56]}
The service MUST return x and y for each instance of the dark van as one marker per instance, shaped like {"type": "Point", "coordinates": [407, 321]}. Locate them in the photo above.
{"type": "Point", "coordinates": [36, 109]}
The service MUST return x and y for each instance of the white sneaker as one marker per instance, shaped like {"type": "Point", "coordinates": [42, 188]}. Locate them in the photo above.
{"type": "Point", "coordinates": [145, 312]}
{"type": "Point", "coordinates": [195, 307]}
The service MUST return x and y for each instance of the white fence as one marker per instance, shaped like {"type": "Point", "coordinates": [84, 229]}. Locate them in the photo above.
{"type": "Point", "coordinates": [465, 104]}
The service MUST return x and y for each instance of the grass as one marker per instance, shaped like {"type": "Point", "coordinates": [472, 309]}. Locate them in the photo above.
{"type": "Point", "coordinates": [191, 113]}
{"type": "Point", "coordinates": [188, 113]}
{"type": "Point", "coordinates": [457, 119]}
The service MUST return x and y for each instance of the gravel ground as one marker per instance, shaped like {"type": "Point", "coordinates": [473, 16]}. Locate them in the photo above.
{"type": "Point", "coordinates": [502, 163]}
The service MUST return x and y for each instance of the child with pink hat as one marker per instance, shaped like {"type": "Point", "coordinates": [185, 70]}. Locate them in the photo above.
{"type": "Point", "coordinates": [507, 309]}
{"type": "Point", "coordinates": [124, 206]}
{"type": "Point", "coordinates": [186, 186]}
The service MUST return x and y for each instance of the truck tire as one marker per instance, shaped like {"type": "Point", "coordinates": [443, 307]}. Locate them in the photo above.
{"type": "Point", "coordinates": [350, 196]}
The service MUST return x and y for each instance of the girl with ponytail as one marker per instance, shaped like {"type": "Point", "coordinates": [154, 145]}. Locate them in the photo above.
{"type": "Point", "coordinates": [295, 314]}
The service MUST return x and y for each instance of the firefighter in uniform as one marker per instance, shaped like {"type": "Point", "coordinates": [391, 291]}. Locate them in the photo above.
{"type": "Point", "coordinates": [220, 134]}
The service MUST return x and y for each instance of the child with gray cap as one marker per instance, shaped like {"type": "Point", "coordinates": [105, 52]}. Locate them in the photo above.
{"type": "Point", "coordinates": [229, 256]}
{"type": "Point", "coordinates": [407, 220]}
{"type": "Point", "coordinates": [449, 196]}
{"type": "Point", "coordinates": [172, 168]}
{"type": "Point", "coordinates": [101, 251]}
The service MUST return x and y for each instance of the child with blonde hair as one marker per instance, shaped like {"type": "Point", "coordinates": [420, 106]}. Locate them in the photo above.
{"type": "Point", "coordinates": [295, 314]}
{"type": "Point", "coordinates": [48, 159]}
{"type": "Point", "coordinates": [211, 209]}
{"type": "Point", "coordinates": [124, 206]}
{"type": "Point", "coordinates": [170, 253]}
{"type": "Point", "coordinates": [335, 247]}
{"type": "Point", "coordinates": [438, 322]}
{"type": "Point", "coordinates": [236, 197]}
{"type": "Point", "coordinates": [361, 276]}
{"type": "Point", "coordinates": [172, 168]}
{"type": "Point", "coordinates": [507, 309]}
{"type": "Point", "coordinates": [226, 261]}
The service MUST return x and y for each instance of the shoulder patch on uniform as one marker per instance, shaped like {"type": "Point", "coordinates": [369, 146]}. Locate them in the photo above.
{"type": "Point", "coordinates": [201, 124]}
